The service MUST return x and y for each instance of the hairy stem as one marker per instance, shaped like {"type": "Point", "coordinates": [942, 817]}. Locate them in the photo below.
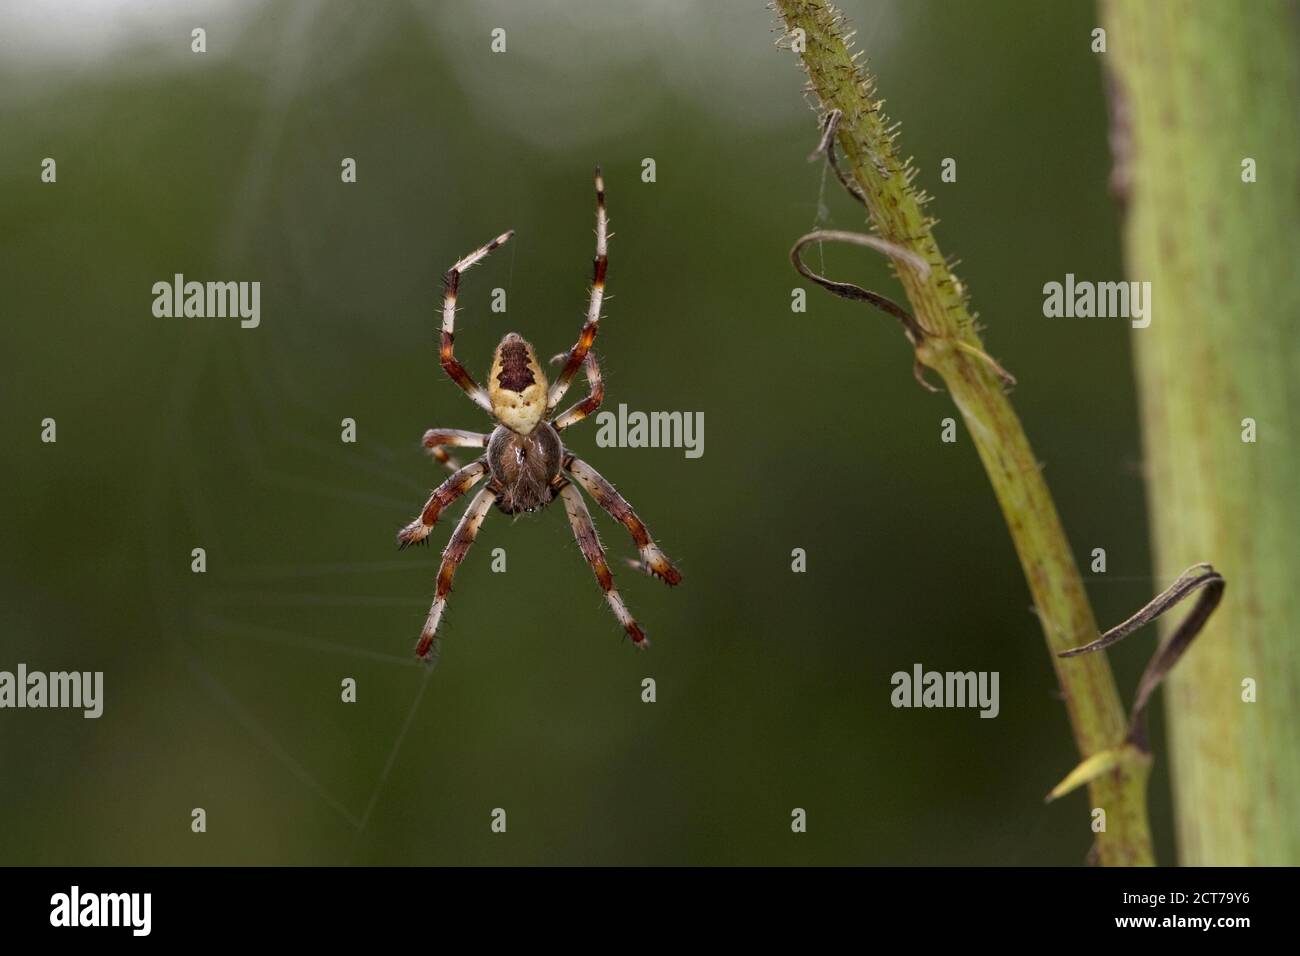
{"type": "Point", "coordinates": [951, 346]}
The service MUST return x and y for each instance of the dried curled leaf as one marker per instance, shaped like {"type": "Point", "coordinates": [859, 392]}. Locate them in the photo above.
{"type": "Point", "coordinates": [1200, 577]}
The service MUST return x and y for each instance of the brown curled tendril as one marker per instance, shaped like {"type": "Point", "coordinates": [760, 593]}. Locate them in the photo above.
{"type": "Point", "coordinates": [847, 290]}
{"type": "Point", "coordinates": [1201, 577]}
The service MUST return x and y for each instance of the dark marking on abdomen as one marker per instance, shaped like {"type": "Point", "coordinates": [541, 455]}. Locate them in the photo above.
{"type": "Point", "coordinates": [515, 375]}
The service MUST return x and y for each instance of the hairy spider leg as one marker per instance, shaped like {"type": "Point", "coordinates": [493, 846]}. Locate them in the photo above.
{"type": "Point", "coordinates": [436, 438]}
{"type": "Point", "coordinates": [608, 498]}
{"type": "Point", "coordinates": [452, 555]}
{"type": "Point", "coordinates": [596, 394]}
{"type": "Point", "coordinates": [578, 354]}
{"type": "Point", "coordinates": [585, 532]}
{"type": "Point", "coordinates": [447, 492]}
{"type": "Point", "coordinates": [450, 364]}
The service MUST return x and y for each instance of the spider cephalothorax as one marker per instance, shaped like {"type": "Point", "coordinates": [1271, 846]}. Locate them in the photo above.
{"type": "Point", "coordinates": [526, 464]}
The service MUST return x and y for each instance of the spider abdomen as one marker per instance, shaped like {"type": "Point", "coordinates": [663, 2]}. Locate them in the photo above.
{"type": "Point", "coordinates": [524, 467]}
{"type": "Point", "coordinates": [517, 385]}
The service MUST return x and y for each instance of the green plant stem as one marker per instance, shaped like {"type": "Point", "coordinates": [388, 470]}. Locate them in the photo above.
{"type": "Point", "coordinates": [1198, 88]}
{"type": "Point", "coordinates": [953, 349]}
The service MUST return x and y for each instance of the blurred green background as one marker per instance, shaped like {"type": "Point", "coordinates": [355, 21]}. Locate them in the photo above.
{"type": "Point", "coordinates": [222, 689]}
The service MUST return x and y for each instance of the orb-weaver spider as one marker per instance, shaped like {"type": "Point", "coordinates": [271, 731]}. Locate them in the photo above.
{"type": "Point", "coordinates": [526, 464]}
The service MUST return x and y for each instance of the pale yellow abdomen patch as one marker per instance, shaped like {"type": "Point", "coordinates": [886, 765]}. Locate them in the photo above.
{"type": "Point", "coordinates": [517, 385]}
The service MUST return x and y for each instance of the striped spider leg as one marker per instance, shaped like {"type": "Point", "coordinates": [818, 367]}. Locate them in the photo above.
{"type": "Point", "coordinates": [447, 349]}
{"type": "Point", "coordinates": [609, 499]}
{"type": "Point", "coordinates": [588, 541]}
{"type": "Point", "coordinates": [458, 484]}
{"type": "Point", "coordinates": [653, 560]}
{"type": "Point", "coordinates": [437, 440]}
{"type": "Point", "coordinates": [464, 535]}
{"type": "Point", "coordinates": [595, 394]}
{"type": "Point", "coordinates": [578, 354]}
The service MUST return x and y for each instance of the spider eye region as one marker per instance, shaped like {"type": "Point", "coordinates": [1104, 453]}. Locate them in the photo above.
{"type": "Point", "coordinates": [517, 385]}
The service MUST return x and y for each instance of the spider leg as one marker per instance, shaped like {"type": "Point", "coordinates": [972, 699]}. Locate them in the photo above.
{"type": "Point", "coordinates": [654, 560]}
{"type": "Point", "coordinates": [596, 394]}
{"type": "Point", "coordinates": [585, 532]}
{"type": "Point", "coordinates": [578, 354]}
{"type": "Point", "coordinates": [436, 438]}
{"type": "Point", "coordinates": [452, 555]}
{"type": "Point", "coordinates": [447, 492]}
{"type": "Point", "coordinates": [450, 364]}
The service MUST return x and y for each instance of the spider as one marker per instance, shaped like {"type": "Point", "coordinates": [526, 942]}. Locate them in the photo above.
{"type": "Point", "coordinates": [526, 464]}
